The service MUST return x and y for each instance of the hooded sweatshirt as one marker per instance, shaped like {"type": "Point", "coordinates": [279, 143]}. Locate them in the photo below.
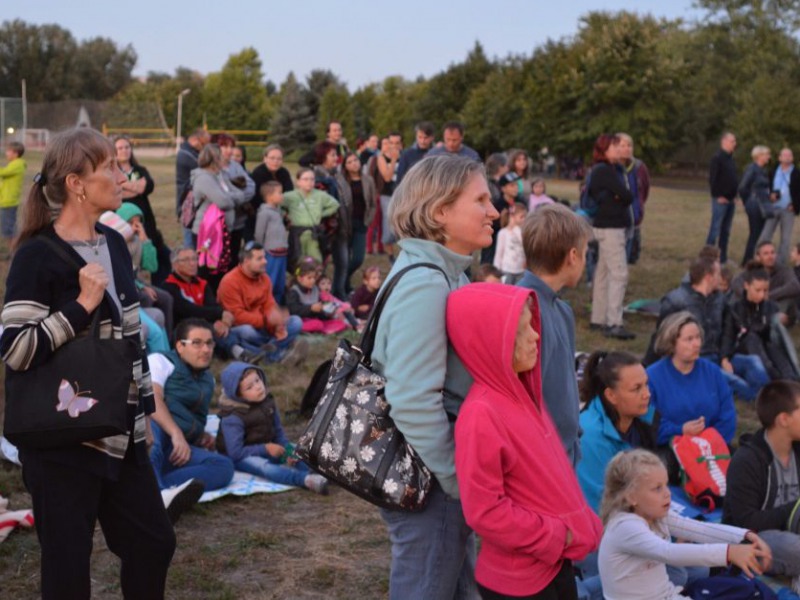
{"type": "Point", "coordinates": [518, 489]}
{"type": "Point", "coordinates": [246, 427]}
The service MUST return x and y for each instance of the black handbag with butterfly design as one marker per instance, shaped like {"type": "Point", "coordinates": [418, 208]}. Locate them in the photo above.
{"type": "Point", "coordinates": [80, 394]}
{"type": "Point", "coordinates": [352, 440]}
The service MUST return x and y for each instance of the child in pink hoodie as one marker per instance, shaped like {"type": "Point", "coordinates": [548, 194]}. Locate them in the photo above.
{"type": "Point", "coordinates": [518, 489]}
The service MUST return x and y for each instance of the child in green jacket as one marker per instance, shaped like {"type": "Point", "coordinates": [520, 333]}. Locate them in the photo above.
{"type": "Point", "coordinates": [11, 178]}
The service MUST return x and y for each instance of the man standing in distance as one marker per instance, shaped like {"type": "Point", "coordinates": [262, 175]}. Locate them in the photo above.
{"type": "Point", "coordinates": [333, 134]}
{"type": "Point", "coordinates": [185, 162]}
{"type": "Point", "coordinates": [724, 183]}
{"type": "Point", "coordinates": [786, 183]}
{"type": "Point", "coordinates": [417, 151]}
{"type": "Point", "coordinates": [453, 137]}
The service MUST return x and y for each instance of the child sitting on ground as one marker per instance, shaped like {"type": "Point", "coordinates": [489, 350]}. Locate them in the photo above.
{"type": "Point", "coordinates": [343, 309]}
{"type": "Point", "coordinates": [763, 492]}
{"type": "Point", "coordinates": [509, 255]}
{"type": "Point", "coordinates": [637, 545]}
{"type": "Point", "coordinates": [271, 233]}
{"type": "Point", "coordinates": [518, 489]}
{"type": "Point", "coordinates": [364, 297]}
{"type": "Point", "coordinates": [251, 434]}
{"type": "Point", "coordinates": [303, 299]}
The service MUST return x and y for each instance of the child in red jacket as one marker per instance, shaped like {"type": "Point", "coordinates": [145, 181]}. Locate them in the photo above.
{"type": "Point", "coordinates": [517, 486]}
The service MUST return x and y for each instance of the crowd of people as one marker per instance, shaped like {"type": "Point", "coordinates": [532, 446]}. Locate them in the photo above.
{"type": "Point", "coordinates": [564, 478]}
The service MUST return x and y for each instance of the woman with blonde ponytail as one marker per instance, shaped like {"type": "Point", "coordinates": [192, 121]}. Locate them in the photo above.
{"type": "Point", "coordinates": [47, 304]}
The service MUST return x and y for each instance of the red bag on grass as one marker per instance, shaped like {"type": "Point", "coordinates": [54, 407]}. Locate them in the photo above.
{"type": "Point", "coordinates": [704, 461]}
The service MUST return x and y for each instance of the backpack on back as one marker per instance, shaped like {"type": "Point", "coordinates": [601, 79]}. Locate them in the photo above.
{"type": "Point", "coordinates": [704, 461]}
{"type": "Point", "coordinates": [214, 240]}
{"type": "Point", "coordinates": [188, 207]}
{"type": "Point", "coordinates": [587, 206]}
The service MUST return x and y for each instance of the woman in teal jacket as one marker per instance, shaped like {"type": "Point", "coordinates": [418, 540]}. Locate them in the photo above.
{"type": "Point", "coordinates": [616, 416]}
{"type": "Point", "coordinates": [442, 212]}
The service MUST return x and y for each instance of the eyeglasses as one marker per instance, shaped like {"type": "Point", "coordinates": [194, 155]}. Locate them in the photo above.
{"type": "Point", "coordinates": [199, 343]}
{"type": "Point", "coordinates": [187, 259]}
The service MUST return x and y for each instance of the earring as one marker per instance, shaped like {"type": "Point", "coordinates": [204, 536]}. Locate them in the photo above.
{"type": "Point", "coordinates": [81, 197]}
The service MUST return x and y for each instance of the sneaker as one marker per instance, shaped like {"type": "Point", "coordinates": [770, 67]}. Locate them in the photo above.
{"type": "Point", "coordinates": [317, 484]}
{"type": "Point", "coordinates": [180, 498]}
{"type": "Point", "coordinates": [296, 353]}
{"type": "Point", "coordinates": [252, 357]}
{"type": "Point", "coordinates": [596, 327]}
{"type": "Point", "coordinates": [619, 332]}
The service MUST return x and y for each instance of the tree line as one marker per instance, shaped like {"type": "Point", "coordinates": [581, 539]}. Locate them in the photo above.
{"type": "Point", "coordinates": [674, 86]}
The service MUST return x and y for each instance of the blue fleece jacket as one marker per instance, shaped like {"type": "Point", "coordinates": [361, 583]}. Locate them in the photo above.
{"type": "Point", "coordinates": [680, 398]}
{"type": "Point", "coordinates": [425, 380]}
{"type": "Point", "coordinates": [559, 385]}
{"type": "Point", "coordinates": [236, 410]}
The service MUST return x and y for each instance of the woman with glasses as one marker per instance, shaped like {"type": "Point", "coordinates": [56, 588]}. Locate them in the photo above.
{"type": "Point", "coordinates": [48, 303]}
{"type": "Point", "coordinates": [271, 169]}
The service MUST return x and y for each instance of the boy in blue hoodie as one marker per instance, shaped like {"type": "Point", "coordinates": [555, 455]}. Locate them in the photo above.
{"type": "Point", "coordinates": [251, 433]}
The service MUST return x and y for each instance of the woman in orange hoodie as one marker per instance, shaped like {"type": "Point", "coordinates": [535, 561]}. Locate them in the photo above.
{"type": "Point", "coordinates": [518, 489]}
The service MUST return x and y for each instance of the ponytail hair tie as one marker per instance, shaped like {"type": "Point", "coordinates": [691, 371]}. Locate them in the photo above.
{"type": "Point", "coordinates": [40, 180]}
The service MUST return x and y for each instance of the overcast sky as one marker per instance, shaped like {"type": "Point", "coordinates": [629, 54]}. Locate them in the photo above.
{"type": "Point", "coordinates": [362, 41]}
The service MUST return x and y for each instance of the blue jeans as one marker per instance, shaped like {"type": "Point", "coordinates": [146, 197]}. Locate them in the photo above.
{"type": "Point", "coordinates": [433, 551]}
{"type": "Point", "coordinates": [341, 260]}
{"type": "Point", "coordinates": [748, 377]}
{"type": "Point", "coordinates": [261, 466]}
{"type": "Point", "coordinates": [215, 470]}
{"type": "Point", "coordinates": [8, 222]}
{"type": "Point", "coordinates": [358, 250]}
{"type": "Point", "coordinates": [276, 271]}
{"type": "Point", "coordinates": [721, 222]}
{"type": "Point", "coordinates": [252, 339]}
{"type": "Point", "coordinates": [756, 222]}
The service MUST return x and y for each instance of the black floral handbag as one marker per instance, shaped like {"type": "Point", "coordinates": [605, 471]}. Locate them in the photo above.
{"type": "Point", "coordinates": [352, 440]}
{"type": "Point", "coordinates": [80, 394]}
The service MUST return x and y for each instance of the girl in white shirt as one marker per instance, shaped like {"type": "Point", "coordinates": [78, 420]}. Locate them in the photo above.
{"type": "Point", "coordinates": [509, 256]}
{"type": "Point", "coordinates": [639, 526]}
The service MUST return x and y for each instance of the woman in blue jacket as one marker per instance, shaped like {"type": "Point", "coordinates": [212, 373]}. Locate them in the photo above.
{"type": "Point", "coordinates": [616, 416]}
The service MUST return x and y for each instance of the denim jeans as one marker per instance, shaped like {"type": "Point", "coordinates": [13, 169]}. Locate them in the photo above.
{"type": "Point", "coordinates": [261, 466]}
{"type": "Point", "coordinates": [756, 223]}
{"type": "Point", "coordinates": [748, 377]}
{"type": "Point", "coordinates": [358, 250]}
{"type": "Point", "coordinates": [276, 271]}
{"type": "Point", "coordinates": [252, 339]}
{"type": "Point", "coordinates": [8, 222]}
{"type": "Point", "coordinates": [720, 229]}
{"type": "Point", "coordinates": [433, 551]}
{"type": "Point", "coordinates": [785, 547]}
{"type": "Point", "coordinates": [215, 470]}
{"type": "Point", "coordinates": [341, 260]}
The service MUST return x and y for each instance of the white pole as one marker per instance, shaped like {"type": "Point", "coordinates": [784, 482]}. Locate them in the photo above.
{"type": "Point", "coordinates": [24, 112]}
{"type": "Point", "coordinates": [180, 116]}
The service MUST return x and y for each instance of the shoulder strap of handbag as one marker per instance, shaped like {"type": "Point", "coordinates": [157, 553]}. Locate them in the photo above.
{"type": "Point", "coordinates": [368, 337]}
{"type": "Point", "coordinates": [73, 263]}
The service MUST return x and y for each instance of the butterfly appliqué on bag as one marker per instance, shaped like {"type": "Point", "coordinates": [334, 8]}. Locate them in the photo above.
{"type": "Point", "coordinates": [72, 401]}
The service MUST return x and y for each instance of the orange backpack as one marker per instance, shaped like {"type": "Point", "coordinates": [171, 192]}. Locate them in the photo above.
{"type": "Point", "coordinates": [704, 461]}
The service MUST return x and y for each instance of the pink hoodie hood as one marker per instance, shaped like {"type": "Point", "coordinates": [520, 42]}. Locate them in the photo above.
{"type": "Point", "coordinates": [486, 345]}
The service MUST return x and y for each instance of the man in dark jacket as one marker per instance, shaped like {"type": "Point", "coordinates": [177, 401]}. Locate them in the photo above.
{"type": "Point", "coordinates": [724, 183]}
{"type": "Point", "coordinates": [417, 151]}
{"type": "Point", "coordinates": [185, 162]}
{"type": "Point", "coordinates": [763, 492]}
{"type": "Point", "coordinates": [785, 183]}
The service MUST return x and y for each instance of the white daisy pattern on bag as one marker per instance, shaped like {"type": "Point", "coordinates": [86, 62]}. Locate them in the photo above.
{"type": "Point", "coordinates": [326, 451]}
{"type": "Point", "coordinates": [367, 454]}
{"type": "Point", "coordinates": [357, 427]}
{"type": "Point", "coordinates": [362, 397]}
{"type": "Point", "coordinates": [390, 486]}
{"type": "Point", "coordinates": [349, 465]}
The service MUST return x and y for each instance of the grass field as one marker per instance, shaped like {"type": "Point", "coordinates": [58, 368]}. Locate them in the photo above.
{"type": "Point", "coordinates": [297, 544]}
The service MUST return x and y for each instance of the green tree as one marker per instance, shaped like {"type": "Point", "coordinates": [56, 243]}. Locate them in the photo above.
{"type": "Point", "coordinates": [293, 124]}
{"type": "Point", "coordinates": [102, 68]}
{"type": "Point", "coordinates": [235, 97]}
{"type": "Point", "coordinates": [335, 105]}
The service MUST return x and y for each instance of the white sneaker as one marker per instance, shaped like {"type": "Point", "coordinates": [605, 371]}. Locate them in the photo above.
{"type": "Point", "coordinates": [317, 484]}
{"type": "Point", "coordinates": [180, 498]}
